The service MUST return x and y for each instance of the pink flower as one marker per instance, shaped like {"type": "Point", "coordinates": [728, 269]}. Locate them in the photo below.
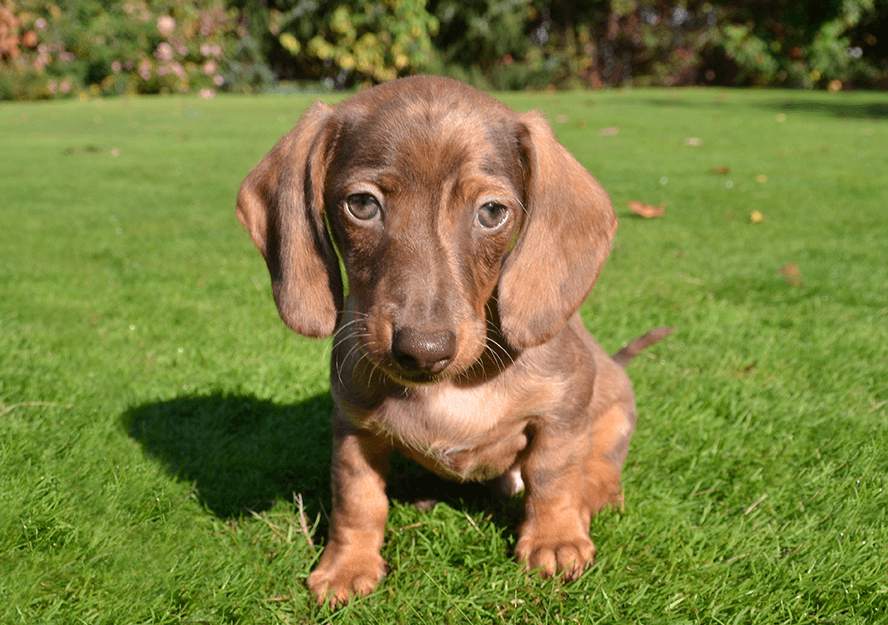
{"type": "Point", "coordinates": [166, 25]}
{"type": "Point", "coordinates": [116, 66]}
{"type": "Point", "coordinates": [164, 52]}
{"type": "Point", "coordinates": [218, 80]}
{"type": "Point", "coordinates": [207, 93]}
{"type": "Point", "coordinates": [209, 67]}
{"type": "Point", "coordinates": [145, 69]}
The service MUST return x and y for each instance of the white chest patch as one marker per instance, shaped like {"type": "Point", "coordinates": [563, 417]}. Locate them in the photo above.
{"type": "Point", "coordinates": [460, 414]}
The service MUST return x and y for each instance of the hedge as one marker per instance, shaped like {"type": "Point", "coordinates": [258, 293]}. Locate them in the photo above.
{"type": "Point", "coordinates": [104, 47]}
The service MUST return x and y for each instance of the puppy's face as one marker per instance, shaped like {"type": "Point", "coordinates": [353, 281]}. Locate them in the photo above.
{"type": "Point", "coordinates": [462, 224]}
{"type": "Point", "coordinates": [424, 201]}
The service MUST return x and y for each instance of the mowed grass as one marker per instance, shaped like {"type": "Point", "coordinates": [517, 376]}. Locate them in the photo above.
{"type": "Point", "coordinates": [165, 440]}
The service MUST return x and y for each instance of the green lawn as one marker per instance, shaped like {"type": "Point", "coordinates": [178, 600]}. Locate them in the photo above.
{"type": "Point", "coordinates": [164, 439]}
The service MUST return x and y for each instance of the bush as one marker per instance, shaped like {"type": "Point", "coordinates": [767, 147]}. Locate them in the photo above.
{"type": "Point", "coordinates": [103, 47]}
{"type": "Point", "coordinates": [344, 43]}
{"type": "Point", "coordinates": [106, 47]}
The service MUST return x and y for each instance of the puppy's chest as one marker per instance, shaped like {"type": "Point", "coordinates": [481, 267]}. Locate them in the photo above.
{"type": "Point", "coordinates": [465, 434]}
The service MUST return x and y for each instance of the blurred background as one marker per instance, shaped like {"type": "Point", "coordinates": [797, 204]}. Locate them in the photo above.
{"type": "Point", "coordinates": [84, 48]}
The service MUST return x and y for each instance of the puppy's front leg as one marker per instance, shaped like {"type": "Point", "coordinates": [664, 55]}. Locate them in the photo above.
{"type": "Point", "coordinates": [352, 564]}
{"type": "Point", "coordinates": [554, 536]}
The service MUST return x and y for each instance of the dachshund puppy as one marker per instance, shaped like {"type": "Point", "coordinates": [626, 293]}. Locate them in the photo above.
{"type": "Point", "coordinates": [469, 238]}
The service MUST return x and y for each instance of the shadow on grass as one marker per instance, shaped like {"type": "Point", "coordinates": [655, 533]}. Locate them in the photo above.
{"type": "Point", "coordinates": [874, 109]}
{"type": "Point", "coordinates": [241, 453]}
{"type": "Point", "coordinates": [877, 108]}
{"type": "Point", "coordinates": [244, 453]}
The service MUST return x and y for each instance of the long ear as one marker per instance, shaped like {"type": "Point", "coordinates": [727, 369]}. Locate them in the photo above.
{"type": "Point", "coordinates": [564, 241]}
{"type": "Point", "coordinates": [281, 203]}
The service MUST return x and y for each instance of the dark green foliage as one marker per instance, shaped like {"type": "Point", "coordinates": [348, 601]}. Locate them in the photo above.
{"type": "Point", "coordinates": [99, 47]}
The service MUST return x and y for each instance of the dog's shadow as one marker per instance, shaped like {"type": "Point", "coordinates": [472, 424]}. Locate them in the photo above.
{"type": "Point", "coordinates": [243, 454]}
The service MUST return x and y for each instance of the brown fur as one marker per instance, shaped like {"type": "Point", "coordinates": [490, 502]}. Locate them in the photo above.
{"type": "Point", "coordinates": [459, 342]}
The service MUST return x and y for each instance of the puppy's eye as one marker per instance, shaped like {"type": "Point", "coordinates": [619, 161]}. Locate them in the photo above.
{"type": "Point", "coordinates": [492, 215]}
{"type": "Point", "coordinates": [362, 206]}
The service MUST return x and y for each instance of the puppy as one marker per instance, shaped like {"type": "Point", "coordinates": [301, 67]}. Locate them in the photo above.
{"type": "Point", "coordinates": [469, 238]}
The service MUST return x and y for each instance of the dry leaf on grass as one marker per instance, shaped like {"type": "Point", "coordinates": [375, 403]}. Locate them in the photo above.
{"type": "Point", "coordinates": [647, 210]}
{"type": "Point", "coordinates": [721, 171]}
{"type": "Point", "coordinates": [609, 132]}
{"type": "Point", "coordinates": [792, 274]}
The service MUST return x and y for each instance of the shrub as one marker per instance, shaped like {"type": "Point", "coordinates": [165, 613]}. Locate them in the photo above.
{"type": "Point", "coordinates": [104, 47]}
{"type": "Point", "coordinates": [349, 42]}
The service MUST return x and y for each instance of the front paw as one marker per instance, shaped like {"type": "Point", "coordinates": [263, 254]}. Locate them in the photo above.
{"type": "Point", "coordinates": [342, 576]}
{"type": "Point", "coordinates": [554, 553]}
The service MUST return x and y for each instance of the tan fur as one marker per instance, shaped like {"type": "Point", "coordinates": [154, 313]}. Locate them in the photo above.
{"type": "Point", "coordinates": [459, 343]}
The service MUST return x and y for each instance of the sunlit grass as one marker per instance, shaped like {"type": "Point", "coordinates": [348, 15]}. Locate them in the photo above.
{"type": "Point", "coordinates": [164, 439]}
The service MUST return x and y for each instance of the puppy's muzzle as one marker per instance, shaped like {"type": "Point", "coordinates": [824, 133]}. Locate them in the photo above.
{"type": "Point", "coordinates": [419, 353]}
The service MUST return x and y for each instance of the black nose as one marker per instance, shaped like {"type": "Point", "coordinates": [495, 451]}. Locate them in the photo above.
{"type": "Point", "coordinates": [423, 352]}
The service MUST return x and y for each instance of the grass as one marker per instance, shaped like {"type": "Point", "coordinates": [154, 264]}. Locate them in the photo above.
{"type": "Point", "coordinates": [164, 439]}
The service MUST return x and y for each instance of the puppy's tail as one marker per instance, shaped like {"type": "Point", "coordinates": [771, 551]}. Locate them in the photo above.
{"type": "Point", "coordinates": [635, 347]}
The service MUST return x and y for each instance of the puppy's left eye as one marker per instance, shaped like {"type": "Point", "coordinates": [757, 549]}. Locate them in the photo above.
{"type": "Point", "coordinates": [492, 215]}
{"type": "Point", "coordinates": [362, 206]}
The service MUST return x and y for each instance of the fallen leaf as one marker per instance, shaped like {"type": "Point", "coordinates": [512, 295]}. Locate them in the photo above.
{"type": "Point", "coordinates": [756, 217]}
{"type": "Point", "coordinates": [762, 178]}
{"type": "Point", "coordinates": [693, 142]}
{"type": "Point", "coordinates": [747, 369]}
{"type": "Point", "coordinates": [722, 171]}
{"type": "Point", "coordinates": [609, 132]}
{"type": "Point", "coordinates": [792, 274]}
{"type": "Point", "coordinates": [561, 119]}
{"type": "Point", "coordinates": [647, 210]}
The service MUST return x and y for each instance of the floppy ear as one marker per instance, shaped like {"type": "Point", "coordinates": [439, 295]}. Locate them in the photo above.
{"type": "Point", "coordinates": [564, 241]}
{"type": "Point", "coordinates": [281, 203]}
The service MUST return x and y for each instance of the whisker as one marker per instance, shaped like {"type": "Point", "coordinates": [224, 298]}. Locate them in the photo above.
{"type": "Point", "coordinates": [493, 343]}
{"type": "Point", "coordinates": [354, 348]}
{"type": "Point", "coordinates": [343, 335]}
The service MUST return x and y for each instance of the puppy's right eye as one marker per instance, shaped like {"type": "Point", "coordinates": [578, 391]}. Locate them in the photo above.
{"type": "Point", "coordinates": [362, 206]}
{"type": "Point", "coordinates": [492, 215]}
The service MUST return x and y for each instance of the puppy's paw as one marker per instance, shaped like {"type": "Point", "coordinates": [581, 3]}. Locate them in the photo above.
{"type": "Point", "coordinates": [552, 554]}
{"type": "Point", "coordinates": [337, 579]}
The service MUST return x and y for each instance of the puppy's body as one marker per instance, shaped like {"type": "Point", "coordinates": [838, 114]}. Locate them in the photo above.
{"type": "Point", "coordinates": [470, 237]}
{"type": "Point", "coordinates": [474, 427]}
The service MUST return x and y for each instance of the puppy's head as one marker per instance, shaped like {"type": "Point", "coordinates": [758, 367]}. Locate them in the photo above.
{"type": "Point", "coordinates": [455, 218]}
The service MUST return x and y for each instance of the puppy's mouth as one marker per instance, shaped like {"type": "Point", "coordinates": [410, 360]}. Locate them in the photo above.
{"type": "Point", "coordinates": [405, 376]}
{"type": "Point", "coordinates": [414, 378]}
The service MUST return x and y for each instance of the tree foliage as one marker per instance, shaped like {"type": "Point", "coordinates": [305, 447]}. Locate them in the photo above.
{"type": "Point", "coordinates": [70, 47]}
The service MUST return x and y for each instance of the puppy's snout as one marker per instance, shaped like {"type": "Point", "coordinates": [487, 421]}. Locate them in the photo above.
{"type": "Point", "coordinates": [423, 352]}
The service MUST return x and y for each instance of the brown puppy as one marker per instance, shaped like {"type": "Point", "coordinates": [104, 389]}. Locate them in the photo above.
{"type": "Point", "coordinates": [470, 237]}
